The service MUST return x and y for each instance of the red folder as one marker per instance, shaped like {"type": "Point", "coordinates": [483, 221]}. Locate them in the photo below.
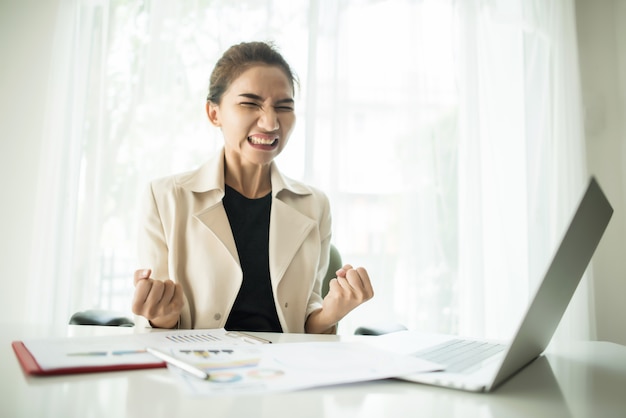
{"type": "Point", "coordinates": [30, 366]}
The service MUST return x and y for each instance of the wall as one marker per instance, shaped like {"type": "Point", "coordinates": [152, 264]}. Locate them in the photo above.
{"type": "Point", "coordinates": [602, 49]}
{"type": "Point", "coordinates": [26, 28]}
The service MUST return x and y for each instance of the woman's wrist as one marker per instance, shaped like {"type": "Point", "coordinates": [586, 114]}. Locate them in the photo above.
{"type": "Point", "coordinates": [316, 323]}
{"type": "Point", "coordinates": [166, 323]}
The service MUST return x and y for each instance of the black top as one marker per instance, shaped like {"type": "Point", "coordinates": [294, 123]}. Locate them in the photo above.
{"type": "Point", "coordinates": [254, 308]}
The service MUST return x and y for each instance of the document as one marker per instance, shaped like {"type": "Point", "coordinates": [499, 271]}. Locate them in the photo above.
{"type": "Point", "coordinates": [290, 366]}
{"type": "Point", "coordinates": [54, 356]}
{"type": "Point", "coordinates": [231, 362]}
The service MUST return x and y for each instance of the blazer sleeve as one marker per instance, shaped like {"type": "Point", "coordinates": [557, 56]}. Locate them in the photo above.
{"type": "Point", "coordinates": [152, 243]}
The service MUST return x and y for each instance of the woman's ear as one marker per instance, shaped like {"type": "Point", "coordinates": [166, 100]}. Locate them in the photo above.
{"type": "Point", "coordinates": [212, 112]}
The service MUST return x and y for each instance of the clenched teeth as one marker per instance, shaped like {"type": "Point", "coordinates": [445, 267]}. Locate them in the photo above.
{"type": "Point", "coordinates": [261, 141]}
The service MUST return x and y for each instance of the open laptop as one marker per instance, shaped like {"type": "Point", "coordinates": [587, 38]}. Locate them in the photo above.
{"type": "Point", "coordinates": [480, 366]}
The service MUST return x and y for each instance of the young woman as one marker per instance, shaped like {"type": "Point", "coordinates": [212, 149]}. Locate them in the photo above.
{"type": "Point", "coordinates": [235, 244]}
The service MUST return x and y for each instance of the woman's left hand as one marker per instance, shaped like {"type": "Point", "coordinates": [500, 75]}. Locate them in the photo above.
{"type": "Point", "coordinates": [349, 289]}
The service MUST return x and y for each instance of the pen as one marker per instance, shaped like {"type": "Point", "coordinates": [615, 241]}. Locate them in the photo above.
{"type": "Point", "coordinates": [194, 371]}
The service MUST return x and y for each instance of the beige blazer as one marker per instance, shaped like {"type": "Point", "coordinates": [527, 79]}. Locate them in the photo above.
{"type": "Point", "coordinates": [185, 236]}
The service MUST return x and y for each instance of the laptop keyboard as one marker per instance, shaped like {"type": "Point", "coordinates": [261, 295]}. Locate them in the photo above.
{"type": "Point", "coordinates": [460, 356]}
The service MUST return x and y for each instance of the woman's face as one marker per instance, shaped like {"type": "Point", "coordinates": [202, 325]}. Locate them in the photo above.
{"type": "Point", "coordinates": [256, 115]}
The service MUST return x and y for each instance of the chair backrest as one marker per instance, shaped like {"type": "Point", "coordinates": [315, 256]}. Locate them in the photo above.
{"type": "Point", "coordinates": [334, 264]}
{"type": "Point", "coordinates": [101, 317]}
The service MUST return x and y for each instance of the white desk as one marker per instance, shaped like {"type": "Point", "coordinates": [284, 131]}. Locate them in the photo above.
{"type": "Point", "coordinates": [586, 380]}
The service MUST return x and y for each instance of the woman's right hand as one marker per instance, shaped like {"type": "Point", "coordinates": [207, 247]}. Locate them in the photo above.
{"type": "Point", "coordinates": [160, 302]}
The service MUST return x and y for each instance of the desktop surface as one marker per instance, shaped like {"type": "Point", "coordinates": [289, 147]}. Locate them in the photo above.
{"type": "Point", "coordinates": [586, 379]}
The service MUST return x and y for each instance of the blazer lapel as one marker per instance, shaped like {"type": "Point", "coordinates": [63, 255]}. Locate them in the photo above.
{"type": "Point", "coordinates": [288, 229]}
{"type": "Point", "coordinates": [216, 220]}
{"type": "Point", "coordinates": [207, 185]}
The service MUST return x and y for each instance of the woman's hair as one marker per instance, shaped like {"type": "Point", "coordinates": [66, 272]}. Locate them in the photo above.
{"type": "Point", "coordinates": [237, 59]}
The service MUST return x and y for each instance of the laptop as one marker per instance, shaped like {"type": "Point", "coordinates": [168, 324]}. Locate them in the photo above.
{"type": "Point", "coordinates": [480, 366]}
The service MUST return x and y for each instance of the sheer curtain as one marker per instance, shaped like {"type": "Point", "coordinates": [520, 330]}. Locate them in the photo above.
{"type": "Point", "coordinates": [523, 169]}
{"type": "Point", "coordinates": [446, 133]}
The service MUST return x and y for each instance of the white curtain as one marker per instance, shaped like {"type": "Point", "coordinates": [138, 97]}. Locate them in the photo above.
{"type": "Point", "coordinates": [523, 167]}
{"type": "Point", "coordinates": [446, 133]}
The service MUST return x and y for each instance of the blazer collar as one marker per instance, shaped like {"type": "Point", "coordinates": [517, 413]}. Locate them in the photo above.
{"type": "Point", "coordinates": [288, 227]}
{"type": "Point", "coordinates": [210, 178]}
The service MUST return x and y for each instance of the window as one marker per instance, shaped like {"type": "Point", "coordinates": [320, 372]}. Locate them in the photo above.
{"type": "Point", "coordinates": [428, 123]}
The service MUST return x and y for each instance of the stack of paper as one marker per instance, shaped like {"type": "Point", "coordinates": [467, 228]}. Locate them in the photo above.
{"type": "Point", "coordinates": [231, 362]}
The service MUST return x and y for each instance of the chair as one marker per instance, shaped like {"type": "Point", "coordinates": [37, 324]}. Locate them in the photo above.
{"type": "Point", "coordinates": [110, 318]}
{"type": "Point", "coordinates": [334, 264]}
{"type": "Point", "coordinates": [379, 329]}
{"type": "Point", "coordinates": [101, 317]}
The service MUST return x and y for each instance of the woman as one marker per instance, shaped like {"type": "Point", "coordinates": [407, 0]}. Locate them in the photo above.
{"type": "Point", "coordinates": [235, 244]}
